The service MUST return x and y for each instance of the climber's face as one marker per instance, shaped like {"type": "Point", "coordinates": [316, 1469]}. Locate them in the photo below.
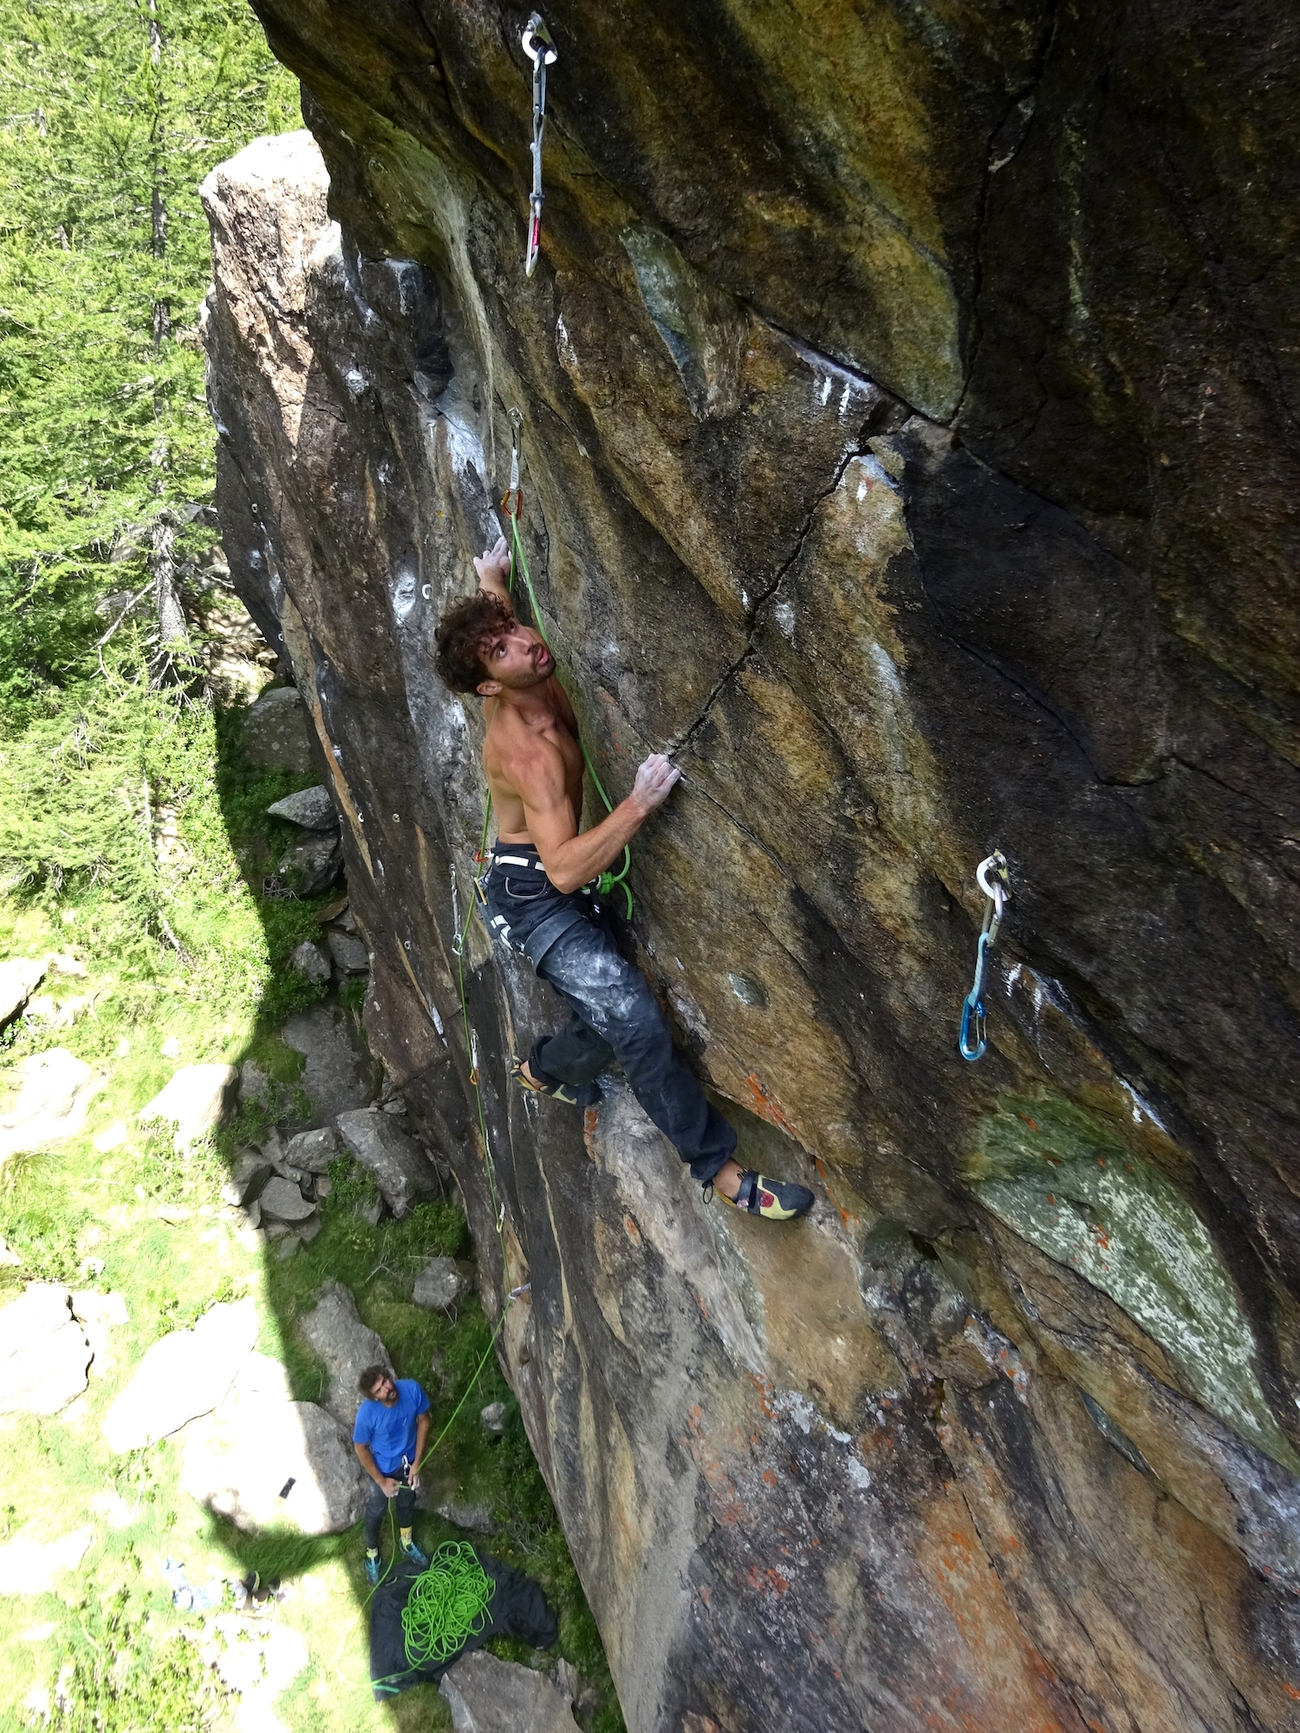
{"type": "Point", "coordinates": [514, 659]}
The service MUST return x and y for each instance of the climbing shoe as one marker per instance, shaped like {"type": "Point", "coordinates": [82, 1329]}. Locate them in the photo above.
{"type": "Point", "coordinates": [415, 1553]}
{"type": "Point", "coordinates": [372, 1570]}
{"type": "Point", "coordinates": [571, 1094]}
{"type": "Point", "coordinates": [776, 1200]}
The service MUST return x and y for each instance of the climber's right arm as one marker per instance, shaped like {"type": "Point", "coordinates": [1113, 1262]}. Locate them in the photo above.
{"type": "Point", "coordinates": [385, 1482]}
{"type": "Point", "coordinates": [571, 859]}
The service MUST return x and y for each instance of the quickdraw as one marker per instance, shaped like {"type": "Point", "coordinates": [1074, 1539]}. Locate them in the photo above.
{"type": "Point", "coordinates": [972, 1011]}
{"type": "Point", "coordinates": [541, 50]}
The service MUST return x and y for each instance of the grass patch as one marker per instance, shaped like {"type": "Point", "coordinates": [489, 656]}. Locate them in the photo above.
{"type": "Point", "coordinates": [185, 962]}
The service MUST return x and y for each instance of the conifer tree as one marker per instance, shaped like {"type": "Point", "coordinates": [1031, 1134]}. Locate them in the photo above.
{"type": "Point", "coordinates": [111, 113]}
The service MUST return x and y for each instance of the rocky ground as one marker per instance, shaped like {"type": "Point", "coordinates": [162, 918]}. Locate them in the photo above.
{"type": "Point", "coordinates": [205, 1240]}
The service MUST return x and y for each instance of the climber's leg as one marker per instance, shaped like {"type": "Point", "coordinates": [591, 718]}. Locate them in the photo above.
{"type": "Point", "coordinates": [574, 1054]}
{"type": "Point", "coordinates": [613, 999]}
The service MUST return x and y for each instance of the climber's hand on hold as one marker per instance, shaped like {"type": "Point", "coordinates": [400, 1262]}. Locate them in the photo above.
{"type": "Point", "coordinates": [493, 568]}
{"type": "Point", "coordinates": [654, 782]}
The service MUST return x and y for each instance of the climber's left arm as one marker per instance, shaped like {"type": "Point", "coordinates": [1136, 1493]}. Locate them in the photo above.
{"type": "Point", "coordinates": [493, 568]}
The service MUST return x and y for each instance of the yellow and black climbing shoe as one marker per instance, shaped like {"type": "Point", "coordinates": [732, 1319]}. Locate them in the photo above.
{"type": "Point", "coordinates": [571, 1094]}
{"type": "Point", "coordinates": [776, 1200]}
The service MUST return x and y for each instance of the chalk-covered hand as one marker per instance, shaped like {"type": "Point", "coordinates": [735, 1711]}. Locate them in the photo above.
{"type": "Point", "coordinates": [389, 1485]}
{"type": "Point", "coordinates": [654, 781]}
{"type": "Point", "coordinates": [493, 564]}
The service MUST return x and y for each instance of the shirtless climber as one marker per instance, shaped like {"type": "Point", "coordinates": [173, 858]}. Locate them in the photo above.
{"type": "Point", "coordinates": [538, 903]}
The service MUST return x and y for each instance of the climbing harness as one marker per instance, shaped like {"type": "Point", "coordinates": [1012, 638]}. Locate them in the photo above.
{"type": "Point", "coordinates": [972, 1043]}
{"type": "Point", "coordinates": [541, 50]}
{"type": "Point", "coordinates": [447, 1605]}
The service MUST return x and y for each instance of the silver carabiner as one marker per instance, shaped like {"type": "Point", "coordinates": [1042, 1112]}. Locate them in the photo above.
{"type": "Point", "coordinates": [538, 42]}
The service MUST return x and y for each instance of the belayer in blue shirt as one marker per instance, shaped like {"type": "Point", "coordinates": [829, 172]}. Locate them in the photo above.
{"type": "Point", "coordinates": [391, 1430]}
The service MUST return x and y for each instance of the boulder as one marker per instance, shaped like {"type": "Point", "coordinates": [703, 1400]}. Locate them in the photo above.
{"type": "Point", "coordinates": [55, 1090]}
{"type": "Point", "coordinates": [239, 1459]}
{"type": "Point", "coordinates": [337, 1075]}
{"type": "Point", "coordinates": [313, 1151]}
{"type": "Point", "coordinates": [486, 1695]}
{"type": "Point", "coordinates": [439, 1285]}
{"type": "Point", "coordinates": [275, 732]}
{"type": "Point", "coordinates": [309, 808]}
{"type": "Point", "coordinates": [476, 1518]}
{"type": "Point", "coordinates": [19, 979]}
{"type": "Point", "coordinates": [493, 1418]}
{"type": "Point", "coordinates": [44, 1353]}
{"type": "Point", "coordinates": [312, 865]}
{"type": "Point", "coordinates": [32, 1567]}
{"type": "Point", "coordinates": [249, 1172]}
{"type": "Point", "coordinates": [282, 1201]}
{"type": "Point", "coordinates": [255, 1085]}
{"type": "Point", "coordinates": [194, 1101]}
{"type": "Point", "coordinates": [345, 1346]}
{"type": "Point", "coordinates": [184, 1375]}
{"type": "Point", "coordinates": [404, 1172]}
{"type": "Point", "coordinates": [350, 953]}
{"type": "Point", "coordinates": [308, 959]}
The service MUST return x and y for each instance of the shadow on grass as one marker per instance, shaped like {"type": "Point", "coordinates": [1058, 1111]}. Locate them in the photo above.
{"type": "Point", "coordinates": [378, 1263]}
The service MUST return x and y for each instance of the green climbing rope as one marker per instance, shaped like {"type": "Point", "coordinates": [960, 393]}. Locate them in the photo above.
{"type": "Point", "coordinates": [447, 1605]}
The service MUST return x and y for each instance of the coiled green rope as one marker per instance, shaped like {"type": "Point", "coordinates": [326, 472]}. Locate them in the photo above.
{"type": "Point", "coordinates": [447, 1605]}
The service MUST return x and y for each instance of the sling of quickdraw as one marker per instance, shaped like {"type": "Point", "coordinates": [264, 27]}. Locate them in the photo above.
{"type": "Point", "coordinates": [540, 49]}
{"type": "Point", "coordinates": [972, 1043]}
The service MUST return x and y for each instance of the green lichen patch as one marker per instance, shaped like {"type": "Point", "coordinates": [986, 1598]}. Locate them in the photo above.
{"type": "Point", "coordinates": [1066, 1183]}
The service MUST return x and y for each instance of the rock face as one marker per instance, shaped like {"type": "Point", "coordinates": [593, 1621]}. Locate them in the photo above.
{"type": "Point", "coordinates": [909, 447]}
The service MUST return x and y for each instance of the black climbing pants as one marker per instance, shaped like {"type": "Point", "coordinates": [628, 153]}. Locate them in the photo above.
{"type": "Point", "coordinates": [377, 1503]}
{"type": "Point", "coordinates": [615, 1015]}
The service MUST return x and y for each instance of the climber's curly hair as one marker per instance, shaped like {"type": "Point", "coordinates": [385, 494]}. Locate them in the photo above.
{"type": "Point", "coordinates": [461, 637]}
